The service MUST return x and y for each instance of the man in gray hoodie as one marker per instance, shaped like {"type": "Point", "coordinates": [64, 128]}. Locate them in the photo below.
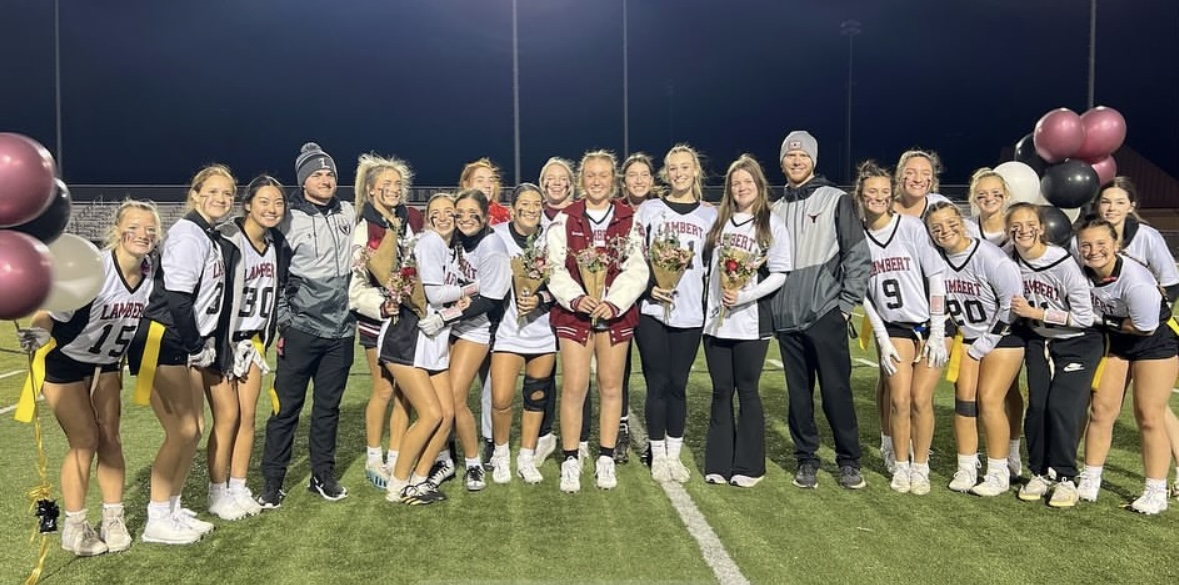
{"type": "Point", "coordinates": [316, 327]}
{"type": "Point", "coordinates": [811, 310]}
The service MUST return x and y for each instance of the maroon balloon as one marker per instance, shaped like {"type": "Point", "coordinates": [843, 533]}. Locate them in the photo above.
{"type": "Point", "coordinates": [26, 179]}
{"type": "Point", "coordinates": [26, 274]}
{"type": "Point", "coordinates": [1058, 135]}
{"type": "Point", "coordinates": [1105, 131]}
{"type": "Point", "coordinates": [1107, 169]}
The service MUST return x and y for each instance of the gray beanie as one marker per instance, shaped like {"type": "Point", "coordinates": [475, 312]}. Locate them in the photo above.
{"type": "Point", "coordinates": [800, 140]}
{"type": "Point", "coordinates": [312, 158]}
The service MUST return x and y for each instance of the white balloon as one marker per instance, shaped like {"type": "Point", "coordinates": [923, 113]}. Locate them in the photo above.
{"type": "Point", "coordinates": [77, 273]}
{"type": "Point", "coordinates": [1023, 182]}
{"type": "Point", "coordinates": [1072, 214]}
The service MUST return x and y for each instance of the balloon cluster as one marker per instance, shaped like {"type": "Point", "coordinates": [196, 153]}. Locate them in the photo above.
{"type": "Point", "coordinates": [40, 267]}
{"type": "Point", "coordinates": [1071, 155]}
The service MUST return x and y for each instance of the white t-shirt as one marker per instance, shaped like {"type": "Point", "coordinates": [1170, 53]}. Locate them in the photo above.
{"type": "Point", "coordinates": [1054, 282]}
{"type": "Point", "coordinates": [193, 264]}
{"type": "Point", "coordinates": [534, 335]}
{"type": "Point", "coordinates": [691, 228]}
{"type": "Point", "coordinates": [1134, 293]}
{"type": "Point", "coordinates": [745, 321]}
{"type": "Point", "coordinates": [258, 287]}
{"type": "Point", "coordinates": [903, 258]}
{"type": "Point", "coordinates": [100, 332]}
{"type": "Point", "coordinates": [488, 264]}
{"type": "Point", "coordinates": [980, 283]}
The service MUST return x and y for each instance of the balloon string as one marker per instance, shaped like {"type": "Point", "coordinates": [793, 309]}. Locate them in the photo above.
{"type": "Point", "coordinates": [43, 491]}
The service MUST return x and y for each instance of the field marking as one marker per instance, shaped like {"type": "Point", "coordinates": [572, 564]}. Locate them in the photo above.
{"type": "Point", "coordinates": [8, 409]}
{"type": "Point", "coordinates": [723, 567]}
{"type": "Point", "coordinates": [865, 362]}
{"type": "Point", "coordinates": [11, 374]}
{"type": "Point", "coordinates": [776, 363]}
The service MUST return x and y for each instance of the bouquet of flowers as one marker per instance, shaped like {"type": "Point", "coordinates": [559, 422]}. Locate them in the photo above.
{"type": "Point", "coordinates": [736, 268]}
{"type": "Point", "coordinates": [530, 270]}
{"type": "Point", "coordinates": [404, 284]}
{"type": "Point", "coordinates": [669, 259]}
{"type": "Point", "coordinates": [592, 264]}
{"type": "Point", "coordinates": [380, 260]}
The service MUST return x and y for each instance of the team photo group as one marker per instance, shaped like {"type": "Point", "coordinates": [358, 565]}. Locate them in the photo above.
{"type": "Point", "coordinates": [490, 292]}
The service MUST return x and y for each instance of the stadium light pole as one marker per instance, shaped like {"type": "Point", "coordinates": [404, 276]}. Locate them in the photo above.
{"type": "Point", "coordinates": [516, 89]}
{"type": "Point", "coordinates": [849, 29]}
{"type": "Point", "coordinates": [625, 82]}
{"type": "Point", "coordinates": [1092, 49]}
{"type": "Point", "coordinates": [57, 79]}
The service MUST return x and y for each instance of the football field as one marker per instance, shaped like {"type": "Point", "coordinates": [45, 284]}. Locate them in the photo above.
{"type": "Point", "coordinates": [640, 532]}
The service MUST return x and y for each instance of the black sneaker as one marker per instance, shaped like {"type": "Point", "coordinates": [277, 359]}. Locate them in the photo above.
{"type": "Point", "coordinates": [272, 495]}
{"type": "Point", "coordinates": [806, 477]}
{"type": "Point", "coordinates": [326, 485]}
{"type": "Point", "coordinates": [419, 495]}
{"type": "Point", "coordinates": [850, 478]}
{"type": "Point", "coordinates": [488, 451]}
{"type": "Point", "coordinates": [622, 446]}
{"type": "Point", "coordinates": [440, 472]}
{"type": "Point", "coordinates": [645, 456]}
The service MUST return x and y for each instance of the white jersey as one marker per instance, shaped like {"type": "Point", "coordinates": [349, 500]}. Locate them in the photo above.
{"type": "Point", "coordinates": [535, 334]}
{"type": "Point", "coordinates": [980, 283]}
{"type": "Point", "coordinates": [438, 266]}
{"type": "Point", "coordinates": [258, 289]}
{"type": "Point", "coordinates": [974, 230]}
{"type": "Point", "coordinates": [903, 259]}
{"type": "Point", "coordinates": [930, 199]}
{"type": "Point", "coordinates": [751, 320]}
{"type": "Point", "coordinates": [1148, 247]}
{"type": "Point", "coordinates": [599, 221]}
{"type": "Point", "coordinates": [193, 264]}
{"type": "Point", "coordinates": [1132, 292]}
{"type": "Point", "coordinates": [1054, 282]}
{"type": "Point", "coordinates": [487, 264]}
{"type": "Point", "coordinates": [657, 217]}
{"type": "Point", "coordinates": [100, 332]}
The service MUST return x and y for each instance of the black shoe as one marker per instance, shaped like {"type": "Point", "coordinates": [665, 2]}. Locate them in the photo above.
{"type": "Point", "coordinates": [441, 471]}
{"type": "Point", "coordinates": [850, 478]}
{"type": "Point", "coordinates": [645, 457]}
{"type": "Point", "coordinates": [806, 477]}
{"type": "Point", "coordinates": [420, 495]}
{"type": "Point", "coordinates": [272, 495]}
{"type": "Point", "coordinates": [326, 486]}
{"type": "Point", "coordinates": [488, 451]}
{"type": "Point", "coordinates": [622, 447]}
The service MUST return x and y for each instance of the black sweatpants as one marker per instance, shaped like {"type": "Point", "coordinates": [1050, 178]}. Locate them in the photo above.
{"type": "Point", "coordinates": [735, 367]}
{"type": "Point", "coordinates": [1060, 372]}
{"type": "Point", "coordinates": [325, 363]}
{"type": "Point", "coordinates": [667, 354]}
{"type": "Point", "coordinates": [821, 351]}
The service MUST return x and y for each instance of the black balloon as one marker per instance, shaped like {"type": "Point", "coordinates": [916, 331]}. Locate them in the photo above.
{"type": "Point", "coordinates": [1070, 184]}
{"type": "Point", "coordinates": [53, 221]}
{"type": "Point", "coordinates": [1058, 229]}
{"type": "Point", "coordinates": [1025, 152]}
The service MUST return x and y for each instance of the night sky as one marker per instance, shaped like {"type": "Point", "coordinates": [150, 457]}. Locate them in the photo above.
{"type": "Point", "coordinates": [152, 90]}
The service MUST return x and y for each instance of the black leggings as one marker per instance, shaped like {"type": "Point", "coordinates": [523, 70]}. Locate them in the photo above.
{"type": "Point", "coordinates": [667, 354]}
{"type": "Point", "coordinates": [735, 367]}
{"type": "Point", "coordinates": [1060, 372]}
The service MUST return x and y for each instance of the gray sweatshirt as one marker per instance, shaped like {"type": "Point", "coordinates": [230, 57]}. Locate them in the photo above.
{"type": "Point", "coordinates": [315, 300]}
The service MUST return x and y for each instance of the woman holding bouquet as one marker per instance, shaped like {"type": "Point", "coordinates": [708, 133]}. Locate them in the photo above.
{"type": "Point", "coordinates": [524, 339]}
{"type": "Point", "coordinates": [415, 350]}
{"type": "Point", "coordinates": [595, 248]}
{"type": "Point", "coordinates": [905, 305]}
{"type": "Point", "coordinates": [736, 341]}
{"type": "Point", "coordinates": [382, 186]}
{"type": "Point", "coordinates": [980, 284]}
{"type": "Point", "coordinates": [672, 314]}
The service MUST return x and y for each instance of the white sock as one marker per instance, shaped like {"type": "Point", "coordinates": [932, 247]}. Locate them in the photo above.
{"type": "Point", "coordinates": [79, 516]}
{"type": "Point", "coordinates": [996, 466]}
{"type": "Point", "coordinates": [391, 458]}
{"type": "Point", "coordinates": [174, 502]}
{"type": "Point", "coordinates": [373, 454]}
{"type": "Point", "coordinates": [969, 462]}
{"type": "Point", "coordinates": [1156, 485]}
{"type": "Point", "coordinates": [885, 442]}
{"type": "Point", "coordinates": [473, 462]}
{"type": "Point", "coordinates": [443, 456]}
{"type": "Point", "coordinates": [658, 449]}
{"type": "Point", "coordinates": [1013, 453]}
{"type": "Point", "coordinates": [583, 446]}
{"type": "Point", "coordinates": [921, 468]}
{"type": "Point", "coordinates": [1094, 472]}
{"type": "Point", "coordinates": [237, 485]}
{"type": "Point", "coordinates": [415, 479]}
{"type": "Point", "coordinates": [501, 450]}
{"type": "Point", "coordinates": [526, 454]}
{"type": "Point", "coordinates": [674, 446]}
{"type": "Point", "coordinates": [903, 466]}
{"type": "Point", "coordinates": [158, 510]}
{"type": "Point", "coordinates": [396, 485]}
{"type": "Point", "coordinates": [216, 490]}
{"type": "Point", "coordinates": [118, 506]}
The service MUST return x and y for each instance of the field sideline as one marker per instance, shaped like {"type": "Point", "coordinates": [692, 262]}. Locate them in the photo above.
{"type": "Point", "coordinates": [517, 533]}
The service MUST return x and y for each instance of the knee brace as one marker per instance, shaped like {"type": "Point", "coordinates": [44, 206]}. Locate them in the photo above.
{"type": "Point", "coordinates": [536, 394]}
{"type": "Point", "coordinates": [968, 408]}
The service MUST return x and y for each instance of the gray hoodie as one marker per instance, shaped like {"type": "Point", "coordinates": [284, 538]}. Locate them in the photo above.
{"type": "Point", "coordinates": [315, 300]}
{"type": "Point", "coordinates": [831, 256]}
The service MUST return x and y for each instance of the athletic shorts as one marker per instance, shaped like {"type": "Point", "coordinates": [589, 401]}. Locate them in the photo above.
{"type": "Point", "coordinates": [172, 352]}
{"type": "Point", "coordinates": [915, 331]}
{"type": "Point", "coordinates": [1160, 345]}
{"type": "Point", "coordinates": [63, 369]}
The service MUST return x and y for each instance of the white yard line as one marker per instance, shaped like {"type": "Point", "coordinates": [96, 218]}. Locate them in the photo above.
{"type": "Point", "coordinates": [11, 374]}
{"type": "Point", "coordinates": [723, 567]}
{"type": "Point", "coordinates": [869, 363]}
{"type": "Point", "coordinates": [8, 409]}
{"type": "Point", "coordinates": [775, 363]}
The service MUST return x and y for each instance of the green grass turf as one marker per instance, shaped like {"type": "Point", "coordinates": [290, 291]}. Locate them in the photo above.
{"type": "Point", "coordinates": [775, 532]}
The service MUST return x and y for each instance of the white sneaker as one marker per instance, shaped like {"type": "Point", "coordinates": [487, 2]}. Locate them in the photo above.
{"type": "Point", "coordinates": [189, 518]}
{"type": "Point", "coordinates": [660, 468]}
{"type": "Point", "coordinates": [678, 472]}
{"type": "Point", "coordinates": [169, 530]}
{"type": "Point", "coordinates": [918, 482]}
{"type": "Point", "coordinates": [526, 469]}
{"type": "Point", "coordinates": [582, 452]}
{"type": "Point", "coordinates": [1065, 495]}
{"type": "Point", "coordinates": [501, 466]}
{"type": "Point", "coordinates": [1175, 489]}
{"type": "Point", "coordinates": [605, 473]}
{"type": "Point", "coordinates": [570, 476]}
{"type": "Point", "coordinates": [114, 531]}
{"type": "Point", "coordinates": [964, 480]}
{"type": "Point", "coordinates": [993, 484]}
{"type": "Point", "coordinates": [1088, 487]}
{"type": "Point", "coordinates": [901, 480]}
{"type": "Point", "coordinates": [81, 539]}
{"type": "Point", "coordinates": [245, 500]}
{"type": "Point", "coordinates": [1151, 502]}
{"type": "Point", "coordinates": [745, 481]}
{"type": "Point", "coordinates": [225, 507]}
{"type": "Point", "coordinates": [1037, 487]}
{"type": "Point", "coordinates": [715, 478]}
{"type": "Point", "coordinates": [890, 458]}
{"type": "Point", "coordinates": [545, 446]}
{"type": "Point", "coordinates": [376, 473]}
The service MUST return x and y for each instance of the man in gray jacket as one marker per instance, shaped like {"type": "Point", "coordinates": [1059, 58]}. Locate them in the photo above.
{"type": "Point", "coordinates": [811, 310]}
{"type": "Point", "coordinates": [316, 328]}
